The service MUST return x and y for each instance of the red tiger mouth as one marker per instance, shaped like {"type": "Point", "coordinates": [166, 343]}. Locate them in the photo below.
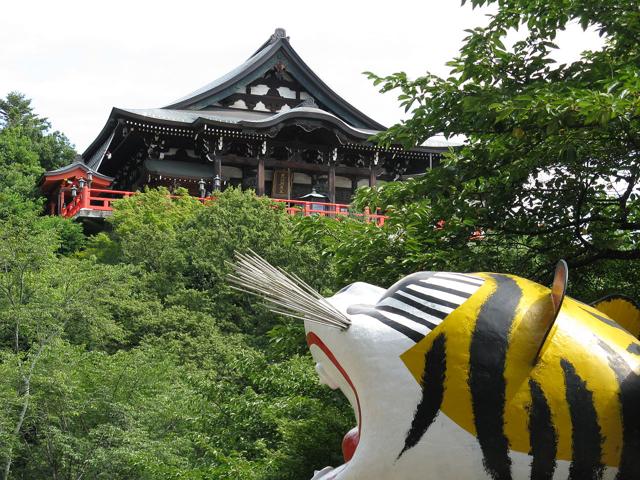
{"type": "Point", "coordinates": [350, 443]}
{"type": "Point", "coordinates": [352, 437]}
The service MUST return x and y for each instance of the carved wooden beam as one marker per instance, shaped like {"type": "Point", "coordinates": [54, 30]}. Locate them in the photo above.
{"type": "Point", "coordinates": [271, 163]}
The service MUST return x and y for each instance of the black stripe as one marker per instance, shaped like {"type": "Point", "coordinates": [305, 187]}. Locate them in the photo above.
{"type": "Point", "coordinates": [586, 436]}
{"type": "Point", "coordinates": [372, 312]}
{"type": "Point", "coordinates": [606, 320]}
{"type": "Point", "coordinates": [461, 280]}
{"type": "Point", "coordinates": [407, 315]}
{"type": "Point", "coordinates": [629, 468]}
{"type": "Point", "coordinates": [435, 368]}
{"type": "Point", "coordinates": [634, 348]}
{"type": "Point", "coordinates": [629, 395]}
{"type": "Point", "coordinates": [488, 351]}
{"type": "Point", "coordinates": [408, 280]}
{"type": "Point", "coordinates": [444, 289]}
{"type": "Point", "coordinates": [542, 435]}
{"type": "Point", "coordinates": [430, 298]}
{"type": "Point", "coordinates": [419, 306]}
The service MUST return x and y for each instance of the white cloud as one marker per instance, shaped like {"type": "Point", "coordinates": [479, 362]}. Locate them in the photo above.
{"type": "Point", "coordinates": [77, 59]}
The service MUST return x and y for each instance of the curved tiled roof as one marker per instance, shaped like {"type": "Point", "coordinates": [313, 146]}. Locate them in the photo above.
{"type": "Point", "coordinates": [229, 78]}
{"type": "Point", "coordinates": [200, 106]}
{"type": "Point", "coordinates": [246, 118]}
{"type": "Point", "coordinates": [277, 49]}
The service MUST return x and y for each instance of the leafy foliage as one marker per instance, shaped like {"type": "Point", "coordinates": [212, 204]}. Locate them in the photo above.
{"type": "Point", "coordinates": [27, 149]}
{"type": "Point", "coordinates": [551, 164]}
{"type": "Point", "coordinates": [52, 148]}
{"type": "Point", "coordinates": [131, 358]}
{"type": "Point", "coordinates": [125, 355]}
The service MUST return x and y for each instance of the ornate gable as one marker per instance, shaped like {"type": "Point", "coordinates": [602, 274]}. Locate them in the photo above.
{"type": "Point", "coordinates": [273, 80]}
{"type": "Point", "coordinates": [276, 91]}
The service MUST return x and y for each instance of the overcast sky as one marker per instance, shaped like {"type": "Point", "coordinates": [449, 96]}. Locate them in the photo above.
{"type": "Point", "coordinates": [77, 59]}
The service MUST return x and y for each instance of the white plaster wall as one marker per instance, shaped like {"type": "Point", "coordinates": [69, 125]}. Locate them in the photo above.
{"type": "Point", "coordinates": [343, 182]}
{"type": "Point", "coordinates": [172, 151]}
{"type": "Point", "coordinates": [260, 107]}
{"type": "Point", "coordinates": [239, 104]}
{"type": "Point", "coordinates": [259, 90]}
{"type": "Point", "coordinates": [304, 179]}
{"type": "Point", "coordinates": [286, 92]}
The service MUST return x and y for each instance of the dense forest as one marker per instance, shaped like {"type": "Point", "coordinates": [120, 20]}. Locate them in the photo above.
{"type": "Point", "coordinates": [125, 354]}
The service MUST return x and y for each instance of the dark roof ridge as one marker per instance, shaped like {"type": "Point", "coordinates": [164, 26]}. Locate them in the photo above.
{"type": "Point", "coordinates": [72, 166]}
{"type": "Point", "coordinates": [269, 52]}
{"type": "Point", "coordinates": [277, 34]}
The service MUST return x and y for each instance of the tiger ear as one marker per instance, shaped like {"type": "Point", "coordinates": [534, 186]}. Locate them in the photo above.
{"type": "Point", "coordinates": [558, 291]}
{"type": "Point", "coordinates": [624, 310]}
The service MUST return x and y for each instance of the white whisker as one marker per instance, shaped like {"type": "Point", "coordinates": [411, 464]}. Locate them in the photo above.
{"type": "Point", "coordinates": [285, 293]}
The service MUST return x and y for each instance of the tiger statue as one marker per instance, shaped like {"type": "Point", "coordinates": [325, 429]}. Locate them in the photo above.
{"type": "Point", "coordinates": [471, 375]}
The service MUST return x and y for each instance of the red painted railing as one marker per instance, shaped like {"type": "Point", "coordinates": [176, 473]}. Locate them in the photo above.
{"type": "Point", "coordinates": [99, 199]}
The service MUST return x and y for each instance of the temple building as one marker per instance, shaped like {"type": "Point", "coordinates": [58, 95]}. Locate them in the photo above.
{"type": "Point", "coordinates": [271, 125]}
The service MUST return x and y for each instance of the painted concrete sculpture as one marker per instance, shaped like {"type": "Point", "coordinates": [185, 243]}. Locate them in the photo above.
{"type": "Point", "coordinates": [472, 376]}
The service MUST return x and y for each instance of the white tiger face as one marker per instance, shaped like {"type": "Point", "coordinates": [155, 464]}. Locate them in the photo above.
{"type": "Point", "coordinates": [364, 363]}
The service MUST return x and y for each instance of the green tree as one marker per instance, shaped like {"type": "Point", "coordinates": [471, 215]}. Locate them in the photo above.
{"type": "Point", "coordinates": [127, 356]}
{"type": "Point", "coordinates": [551, 164]}
{"type": "Point", "coordinates": [261, 413]}
{"type": "Point", "coordinates": [52, 147]}
{"type": "Point", "coordinates": [45, 298]}
{"type": "Point", "coordinates": [360, 251]}
{"type": "Point", "coordinates": [19, 170]}
{"type": "Point", "coordinates": [28, 148]}
{"type": "Point", "coordinates": [106, 374]}
{"type": "Point", "coordinates": [185, 247]}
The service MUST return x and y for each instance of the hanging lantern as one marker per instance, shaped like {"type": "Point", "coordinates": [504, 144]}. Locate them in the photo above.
{"type": "Point", "coordinates": [318, 198]}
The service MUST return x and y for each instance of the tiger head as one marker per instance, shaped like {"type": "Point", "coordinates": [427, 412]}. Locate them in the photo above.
{"type": "Point", "coordinates": [471, 376]}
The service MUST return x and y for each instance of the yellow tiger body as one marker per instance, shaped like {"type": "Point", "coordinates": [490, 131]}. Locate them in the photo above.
{"type": "Point", "coordinates": [576, 336]}
{"type": "Point", "coordinates": [623, 310]}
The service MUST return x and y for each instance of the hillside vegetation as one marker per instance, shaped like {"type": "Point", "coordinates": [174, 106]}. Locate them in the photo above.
{"type": "Point", "coordinates": [126, 355]}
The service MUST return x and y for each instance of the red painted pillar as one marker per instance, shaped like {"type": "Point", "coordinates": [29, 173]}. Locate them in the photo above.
{"type": "Point", "coordinates": [84, 197]}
